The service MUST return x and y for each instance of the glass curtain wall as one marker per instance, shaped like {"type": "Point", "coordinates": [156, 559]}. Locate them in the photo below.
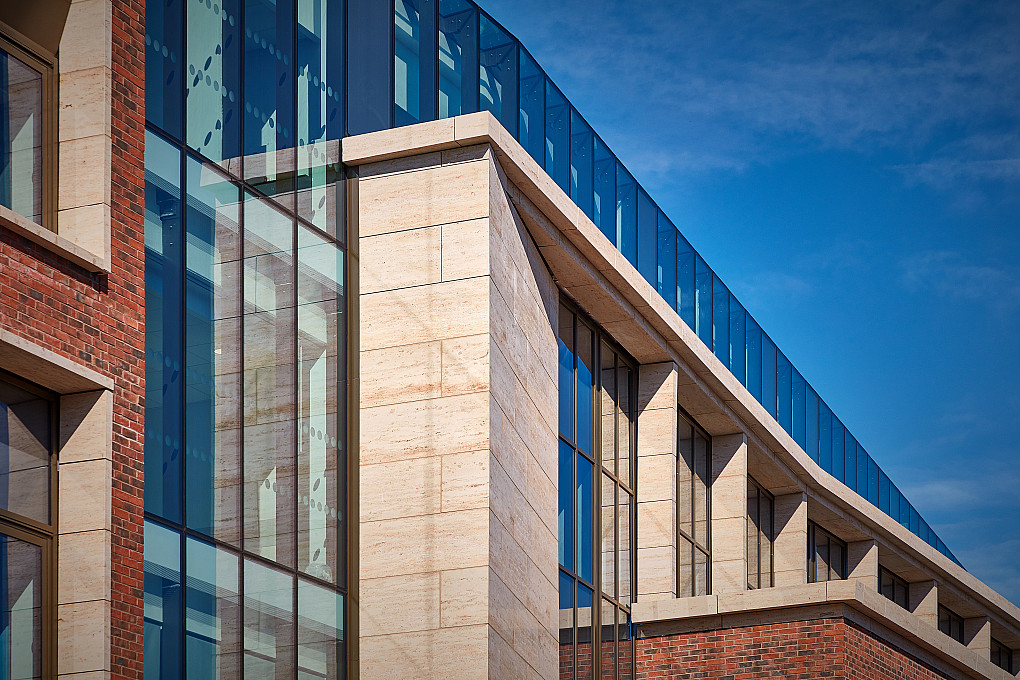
{"type": "Point", "coordinates": [27, 475]}
{"type": "Point", "coordinates": [597, 512]}
{"type": "Point", "coordinates": [694, 491]}
{"type": "Point", "coordinates": [245, 449]}
{"type": "Point", "coordinates": [761, 519]}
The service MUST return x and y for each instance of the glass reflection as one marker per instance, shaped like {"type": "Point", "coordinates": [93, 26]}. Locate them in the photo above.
{"type": "Point", "coordinates": [21, 639]}
{"type": "Point", "coordinates": [213, 81]}
{"type": "Point", "coordinates": [320, 632]}
{"type": "Point", "coordinates": [531, 121]}
{"type": "Point", "coordinates": [557, 131]}
{"type": "Point", "coordinates": [26, 432]}
{"type": "Point", "coordinates": [21, 137]}
{"type": "Point", "coordinates": [498, 74]}
{"type": "Point", "coordinates": [213, 612]}
{"type": "Point", "coordinates": [458, 58]}
{"type": "Point", "coordinates": [163, 605]}
{"type": "Point", "coordinates": [268, 622]}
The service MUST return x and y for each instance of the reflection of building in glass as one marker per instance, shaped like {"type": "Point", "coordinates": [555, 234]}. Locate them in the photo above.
{"type": "Point", "coordinates": [356, 352]}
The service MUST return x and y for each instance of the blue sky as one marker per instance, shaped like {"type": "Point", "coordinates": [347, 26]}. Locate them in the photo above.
{"type": "Point", "coordinates": [852, 172]}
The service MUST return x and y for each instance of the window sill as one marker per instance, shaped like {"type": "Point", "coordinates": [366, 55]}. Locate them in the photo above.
{"type": "Point", "coordinates": [53, 242]}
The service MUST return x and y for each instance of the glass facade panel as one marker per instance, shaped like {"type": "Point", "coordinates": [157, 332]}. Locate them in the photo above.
{"type": "Point", "coordinates": [164, 85]}
{"type": "Point", "coordinates": [213, 80]}
{"type": "Point", "coordinates": [825, 437]}
{"type": "Point", "coordinates": [415, 61]}
{"type": "Point", "coordinates": [163, 602]}
{"type": "Point", "coordinates": [647, 237]}
{"type": "Point", "coordinates": [582, 169]}
{"type": "Point", "coordinates": [369, 99]}
{"type": "Point", "coordinates": [320, 632]}
{"type": "Point", "coordinates": [458, 58]}
{"type": "Point", "coordinates": [738, 338]}
{"type": "Point", "coordinates": [784, 392]}
{"type": "Point", "coordinates": [768, 375]}
{"type": "Point", "coordinates": [685, 282]}
{"type": "Point", "coordinates": [838, 448]}
{"type": "Point", "coordinates": [498, 73]}
{"type": "Point", "coordinates": [754, 358]}
{"type": "Point", "coordinates": [604, 208]}
{"type": "Point", "coordinates": [811, 424]}
{"type": "Point", "coordinates": [626, 214]}
{"type": "Point", "coordinates": [21, 137]}
{"type": "Point", "coordinates": [213, 612]}
{"type": "Point", "coordinates": [666, 261]}
{"type": "Point", "coordinates": [557, 136]}
{"type": "Point", "coordinates": [799, 412]}
{"type": "Point", "coordinates": [268, 622]}
{"type": "Point", "coordinates": [531, 118]}
{"type": "Point", "coordinates": [721, 321]}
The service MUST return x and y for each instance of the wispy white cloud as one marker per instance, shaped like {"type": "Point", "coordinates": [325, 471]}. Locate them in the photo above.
{"type": "Point", "coordinates": [950, 275]}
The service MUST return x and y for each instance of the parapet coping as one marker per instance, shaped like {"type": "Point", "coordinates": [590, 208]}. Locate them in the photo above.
{"type": "Point", "coordinates": [562, 220]}
{"type": "Point", "coordinates": [813, 600]}
{"type": "Point", "coordinates": [45, 367]}
{"type": "Point", "coordinates": [53, 242]}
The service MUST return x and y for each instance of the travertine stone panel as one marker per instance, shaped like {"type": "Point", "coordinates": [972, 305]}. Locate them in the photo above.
{"type": "Point", "coordinates": [458, 447]}
{"type": "Point", "coordinates": [729, 513]}
{"type": "Point", "coordinates": [924, 602]}
{"type": "Point", "coordinates": [656, 573]}
{"type": "Point", "coordinates": [83, 629]}
{"type": "Point", "coordinates": [977, 634]}
{"type": "Point", "coordinates": [862, 562]}
{"type": "Point", "coordinates": [790, 548]}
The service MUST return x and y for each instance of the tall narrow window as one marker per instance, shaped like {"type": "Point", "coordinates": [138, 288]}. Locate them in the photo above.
{"type": "Point", "coordinates": [951, 623]}
{"type": "Point", "coordinates": [27, 168]}
{"type": "Point", "coordinates": [693, 483]}
{"type": "Point", "coordinates": [458, 58]}
{"type": "Point", "coordinates": [27, 473]}
{"type": "Point", "coordinates": [826, 556]}
{"type": "Point", "coordinates": [893, 587]}
{"type": "Point", "coordinates": [596, 502]}
{"type": "Point", "coordinates": [1002, 656]}
{"type": "Point", "coordinates": [760, 536]}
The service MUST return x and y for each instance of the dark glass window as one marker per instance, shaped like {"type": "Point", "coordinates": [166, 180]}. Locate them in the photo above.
{"type": "Point", "coordinates": [826, 556]}
{"type": "Point", "coordinates": [893, 587]}
{"type": "Point", "coordinates": [694, 486]}
{"type": "Point", "coordinates": [951, 623]}
{"type": "Point", "coordinates": [1002, 656]}
{"type": "Point", "coordinates": [27, 160]}
{"type": "Point", "coordinates": [164, 65]}
{"type": "Point", "coordinates": [369, 66]}
{"type": "Point", "coordinates": [596, 501]}
{"type": "Point", "coordinates": [760, 536]}
{"type": "Point", "coordinates": [497, 76]}
{"type": "Point", "coordinates": [458, 58]}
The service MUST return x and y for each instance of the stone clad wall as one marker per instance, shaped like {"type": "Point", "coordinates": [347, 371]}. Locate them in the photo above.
{"type": "Point", "coordinates": [458, 401]}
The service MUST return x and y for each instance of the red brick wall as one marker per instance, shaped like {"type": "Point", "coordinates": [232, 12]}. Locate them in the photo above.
{"type": "Point", "coordinates": [803, 650]}
{"type": "Point", "coordinates": [98, 321]}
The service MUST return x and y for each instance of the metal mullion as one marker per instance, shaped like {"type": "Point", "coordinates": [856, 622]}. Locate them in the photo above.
{"type": "Point", "coordinates": [183, 484]}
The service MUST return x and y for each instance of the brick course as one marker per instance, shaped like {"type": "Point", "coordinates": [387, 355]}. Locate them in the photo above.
{"type": "Point", "coordinates": [98, 321]}
{"type": "Point", "coordinates": [802, 650]}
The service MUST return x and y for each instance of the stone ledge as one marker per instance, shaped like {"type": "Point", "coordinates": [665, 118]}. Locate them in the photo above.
{"type": "Point", "coordinates": [47, 368]}
{"type": "Point", "coordinates": [865, 606]}
{"type": "Point", "coordinates": [53, 242]}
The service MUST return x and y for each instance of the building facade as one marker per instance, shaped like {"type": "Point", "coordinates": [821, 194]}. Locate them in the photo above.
{"type": "Point", "coordinates": [335, 343]}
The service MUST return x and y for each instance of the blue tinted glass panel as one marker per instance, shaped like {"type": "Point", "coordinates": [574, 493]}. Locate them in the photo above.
{"type": "Point", "coordinates": [164, 643]}
{"type": "Point", "coordinates": [685, 288]}
{"type": "Point", "coordinates": [914, 521]}
{"type": "Point", "coordinates": [531, 121]}
{"type": "Point", "coordinates": [164, 64]}
{"type": "Point", "coordinates": [904, 511]}
{"type": "Point", "coordinates": [269, 104]}
{"type": "Point", "coordinates": [585, 388]}
{"type": "Point", "coordinates": [872, 481]}
{"type": "Point", "coordinates": [666, 261]}
{"type": "Point", "coordinates": [604, 207]}
{"type": "Point", "coordinates": [754, 358]}
{"type": "Point", "coordinates": [768, 374]}
{"type": "Point", "coordinates": [798, 408]}
{"type": "Point", "coordinates": [268, 622]}
{"type": "Point", "coordinates": [883, 492]}
{"type": "Point", "coordinates": [557, 131]}
{"type": "Point", "coordinates": [212, 336]}
{"type": "Point", "coordinates": [582, 188]}
{"type": "Point", "coordinates": [825, 438]}
{"type": "Point", "coordinates": [566, 591]}
{"type": "Point", "coordinates": [647, 236]}
{"type": "Point", "coordinates": [585, 509]}
{"type": "Point", "coordinates": [850, 460]}
{"type": "Point", "coordinates": [498, 75]}
{"type": "Point", "coordinates": [320, 632]}
{"type": "Point", "coordinates": [784, 392]}
{"type": "Point", "coordinates": [213, 612]}
{"type": "Point", "coordinates": [811, 423]}
{"type": "Point", "coordinates": [721, 321]}
{"type": "Point", "coordinates": [320, 113]}
{"type": "Point", "coordinates": [838, 450]}
{"type": "Point", "coordinates": [415, 61]}
{"type": "Point", "coordinates": [458, 58]}
{"type": "Point", "coordinates": [626, 214]}
{"type": "Point", "coordinates": [862, 471]}
{"type": "Point", "coordinates": [566, 505]}
{"type": "Point", "coordinates": [894, 501]}
{"type": "Point", "coordinates": [164, 316]}
{"type": "Point", "coordinates": [703, 300]}
{"type": "Point", "coordinates": [566, 378]}
{"type": "Point", "coordinates": [369, 67]}
{"type": "Point", "coordinates": [213, 79]}
{"type": "Point", "coordinates": [738, 338]}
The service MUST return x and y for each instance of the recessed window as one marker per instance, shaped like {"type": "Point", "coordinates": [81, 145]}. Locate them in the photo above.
{"type": "Point", "coordinates": [951, 623]}
{"type": "Point", "coordinates": [893, 587]}
{"type": "Point", "coordinates": [1002, 656]}
{"type": "Point", "coordinates": [694, 455]}
{"type": "Point", "coordinates": [826, 555]}
{"type": "Point", "coordinates": [26, 170]}
{"type": "Point", "coordinates": [760, 536]}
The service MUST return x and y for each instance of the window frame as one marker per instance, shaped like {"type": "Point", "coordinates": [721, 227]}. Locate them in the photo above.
{"type": "Point", "coordinates": [763, 493]}
{"type": "Point", "coordinates": [43, 61]}
{"type": "Point", "coordinates": [951, 618]}
{"type": "Point", "coordinates": [689, 542]}
{"type": "Point", "coordinates": [996, 656]}
{"type": "Point", "coordinates": [812, 553]}
{"type": "Point", "coordinates": [884, 573]}
{"type": "Point", "coordinates": [39, 533]}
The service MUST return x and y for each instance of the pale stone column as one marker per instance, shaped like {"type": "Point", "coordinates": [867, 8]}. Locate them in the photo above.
{"type": "Point", "coordinates": [656, 488]}
{"type": "Point", "coordinates": [458, 426]}
{"type": "Point", "coordinates": [790, 548]}
{"type": "Point", "coordinates": [924, 602]}
{"type": "Point", "coordinates": [977, 633]}
{"type": "Point", "coordinates": [729, 513]}
{"type": "Point", "coordinates": [862, 562]}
